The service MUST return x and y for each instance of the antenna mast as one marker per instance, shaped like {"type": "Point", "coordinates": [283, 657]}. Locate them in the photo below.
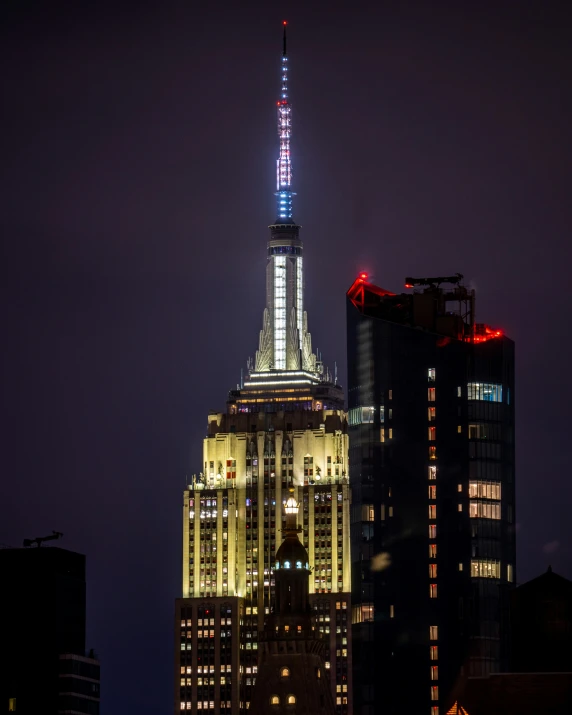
{"type": "Point", "coordinates": [283, 164]}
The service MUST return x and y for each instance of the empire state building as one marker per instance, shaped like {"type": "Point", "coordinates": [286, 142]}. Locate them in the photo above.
{"type": "Point", "coordinates": [284, 432]}
{"type": "Point", "coordinates": [286, 374]}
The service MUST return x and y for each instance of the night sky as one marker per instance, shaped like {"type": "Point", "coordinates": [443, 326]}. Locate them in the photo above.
{"type": "Point", "coordinates": [138, 170]}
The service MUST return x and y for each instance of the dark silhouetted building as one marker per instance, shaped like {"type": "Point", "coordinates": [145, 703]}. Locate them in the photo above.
{"type": "Point", "coordinates": [44, 669]}
{"type": "Point", "coordinates": [539, 681]}
{"type": "Point", "coordinates": [541, 625]}
{"type": "Point", "coordinates": [291, 666]}
{"type": "Point", "coordinates": [431, 425]}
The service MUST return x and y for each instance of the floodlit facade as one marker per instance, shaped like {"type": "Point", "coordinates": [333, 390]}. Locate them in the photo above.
{"type": "Point", "coordinates": [431, 424]}
{"type": "Point", "coordinates": [284, 429]}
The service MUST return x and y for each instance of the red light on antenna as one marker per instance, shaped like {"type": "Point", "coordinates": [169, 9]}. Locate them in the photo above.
{"type": "Point", "coordinates": [284, 22]}
{"type": "Point", "coordinates": [408, 285]}
{"type": "Point", "coordinates": [363, 276]}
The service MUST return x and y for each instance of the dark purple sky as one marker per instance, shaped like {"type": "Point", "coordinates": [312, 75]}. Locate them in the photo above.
{"type": "Point", "coordinates": [138, 160]}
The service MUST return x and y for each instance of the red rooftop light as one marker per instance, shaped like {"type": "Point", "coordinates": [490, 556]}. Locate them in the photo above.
{"type": "Point", "coordinates": [284, 22]}
{"type": "Point", "coordinates": [363, 276]}
{"type": "Point", "coordinates": [408, 285]}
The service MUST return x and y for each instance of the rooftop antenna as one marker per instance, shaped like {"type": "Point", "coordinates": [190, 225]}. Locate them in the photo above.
{"type": "Point", "coordinates": [335, 373]}
{"type": "Point", "coordinates": [39, 540]}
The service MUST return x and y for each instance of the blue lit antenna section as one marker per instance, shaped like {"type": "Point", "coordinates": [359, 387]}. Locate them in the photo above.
{"type": "Point", "coordinates": [284, 164]}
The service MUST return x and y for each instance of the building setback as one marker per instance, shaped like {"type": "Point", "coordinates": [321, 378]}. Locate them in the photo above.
{"type": "Point", "coordinates": [44, 667]}
{"type": "Point", "coordinates": [284, 428]}
{"type": "Point", "coordinates": [431, 425]}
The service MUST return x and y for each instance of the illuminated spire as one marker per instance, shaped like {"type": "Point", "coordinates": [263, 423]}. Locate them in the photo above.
{"type": "Point", "coordinates": [284, 164]}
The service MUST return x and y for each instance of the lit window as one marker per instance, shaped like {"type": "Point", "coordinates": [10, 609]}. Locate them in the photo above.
{"type": "Point", "coordinates": [367, 512]}
{"type": "Point", "coordinates": [433, 452]}
{"type": "Point", "coordinates": [433, 633]}
{"type": "Point", "coordinates": [434, 652]}
{"type": "Point", "coordinates": [382, 434]}
{"type": "Point", "coordinates": [509, 573]}
{"type": "Point", "coordinates": [460, 566]}
{"type": "Point", "coordinates": [459, 507]}
{"type": "Point", "coordinates": [432, 551]}
{"type": "Point", "coordinates": [432, 511]}
{"type": "Point", "coordinates": [432, 491]}
{"type": "Point", "coordinates": [435, 710]}
{"type": "Point", "coordinates": [432, 570]}
{"type": "Point", "coordinates": [431, 374]}
{"type": "Point", "coordinates": [392, 611]}
{"type": "Point", "coordinates": [434, 692]}
{"type": "Point", "coordinates": [432, 531]}
{"type": "Point", "coordinates": [274, 700]}
{"type": "Point", "coordinates": [459, 429]}
{"type": "Point", "coordinates": [432, 590]}
{"type": "Point", "coordinates": [11, 705]}
{"type": "Point", "coordinates": [390, 433]}
{"type": "Point", "coordinates": [318, 673]}
{"type": "Point", "coordinates": [484, 510]}
{"type": "Point", "coordinates": [390, 395]}
{"type": "Point", "coordinates": [291, 700]}
{"type": "Point", "coordinates": [459, 487]}
{"type": "Point", "coordinates": [485, 490]}
{"type": "Point", "coordinates": [431, 414]}
{"type": "Point", "coordinates": [362, 613]}
{"type": "Point", "coordinates": [459, 393]}
{"type": "Point", "coordinates": [284, 672]}
{"type": "Point", "coordinates": [432, 472]}
{"type": "Point", "coordinates": [483, 431]}
{"type": "Point", "coordinates": [390, 510]}
{"type": "Point", "coordinates": [431, 394]}
{"type": "Point", "coordinates": [486, 391]}
{"type": "Point", "coordinates": [434, 672]}
{"type": "Point", "coordinates": [431, 433]}
{"type": "Point", "coordinates": [361, 415]}
{"type": "Point", "coordinates": [485, 568]}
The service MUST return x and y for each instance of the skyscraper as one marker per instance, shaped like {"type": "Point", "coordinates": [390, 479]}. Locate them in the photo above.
{"type": "Point", "coordinates": [284, 427]}
{"type": "Point", "coordinates": [431, 414]}
{"type": "Point", "coordinates": [44, 667]}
